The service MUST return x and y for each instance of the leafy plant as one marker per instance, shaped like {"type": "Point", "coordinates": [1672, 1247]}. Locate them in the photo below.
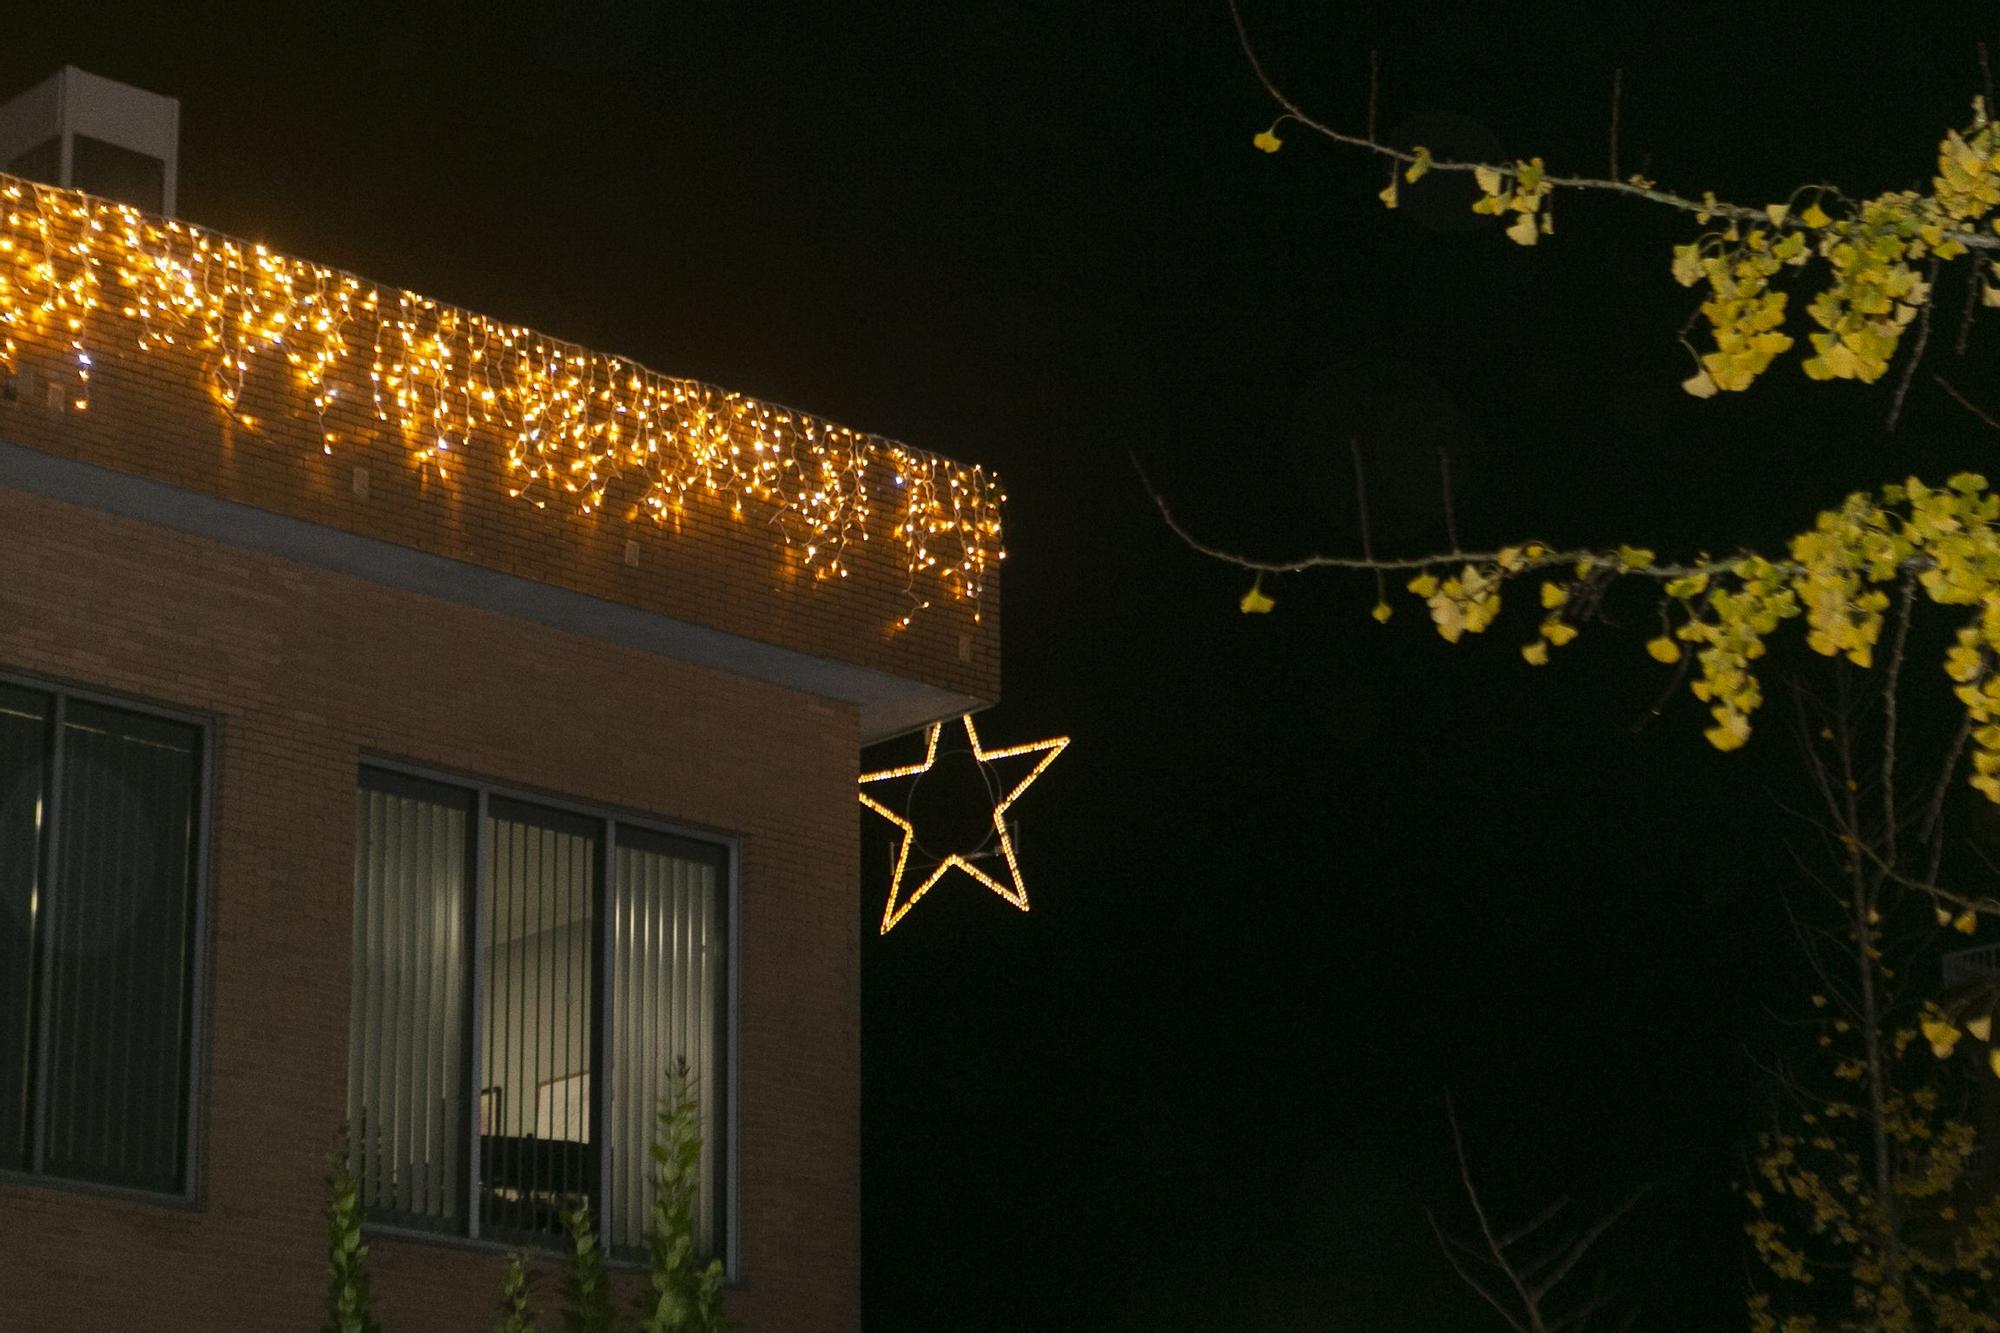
{"type": "Point", "coordinates": [349, 1303]}
{"type": "Point", "coordinates": [586, 1286]}
{"type": "Point", "coordinates": [683, 1297]}
{"type": "Point", "coordinates": [516, 1314]}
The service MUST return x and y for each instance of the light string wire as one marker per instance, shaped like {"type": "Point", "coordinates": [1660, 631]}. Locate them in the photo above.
{"type": "Point", "coordinates": [575, 424]}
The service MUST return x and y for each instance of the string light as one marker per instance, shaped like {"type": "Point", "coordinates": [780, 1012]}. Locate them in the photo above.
{"type": "Point", "coordinates": [574, 425]}
{"type": "Point", "coordinates": [1012, 890]}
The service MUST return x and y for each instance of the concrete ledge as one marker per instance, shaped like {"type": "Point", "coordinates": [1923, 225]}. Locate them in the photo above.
{"type": "Point", "coordinates": [889, 705]}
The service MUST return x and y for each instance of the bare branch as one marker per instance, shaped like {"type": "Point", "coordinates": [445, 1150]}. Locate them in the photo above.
{"type": "Point", "coordinates": [1916, 354]}
{"type": "Point", "coordinates": [1965, 402]}
{"type": "Point", "coordinates": [1704, 208]}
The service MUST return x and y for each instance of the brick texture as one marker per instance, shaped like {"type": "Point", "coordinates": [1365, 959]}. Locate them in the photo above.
{"type": "Point", "coordinates": [304, 672]}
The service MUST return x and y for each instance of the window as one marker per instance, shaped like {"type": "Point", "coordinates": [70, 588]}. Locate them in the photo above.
{"type": "Point", "coordinates": [525, 979]}
{"type": "Point", "coordinates": [100, 836]}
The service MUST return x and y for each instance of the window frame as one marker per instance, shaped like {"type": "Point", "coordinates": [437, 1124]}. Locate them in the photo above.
{"type": "Point", "coordinates": [193, 1194]}
{"type": "Point", "coordinates": [609, 819]}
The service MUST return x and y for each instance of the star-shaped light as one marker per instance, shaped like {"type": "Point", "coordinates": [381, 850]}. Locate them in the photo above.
{"type": "Point", "coordinates": [1013, 890]}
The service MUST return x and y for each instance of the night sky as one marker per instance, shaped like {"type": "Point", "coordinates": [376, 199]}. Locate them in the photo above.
{"type": "Point", "coordinates": [1298, 875]}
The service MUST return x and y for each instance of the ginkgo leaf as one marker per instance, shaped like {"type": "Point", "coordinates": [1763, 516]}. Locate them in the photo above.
{"type": "Point", "coordinates": [1255, 602]}
{"type": "Point", "coordinates": [1663, 649]}
{"type": "Point", "coordinates": [1700, 384]}
{"type": "Point", "coordinates": [1419, 164]}
{"type": "Point", "coordinates": [1387, 195]}
{"type": "Point", "coordinates": [1523, 231]}
{"type": "Point", "coordinates": [1993, 1060]}
{"type": "Point", "coordinates": [1814, 215]}
{"type": "Point", "coordinates": [1488, 179]}
{"type": "Point", "coordinates": [1268, 140]}
{"type": "Point", "coordinates": [1941, 1035]}
{"type": "Point", "coordinates": [1553, 596]}
{"type": "Point", "coordinates": [1423, 585]}
{"type": "Point", "coordinates": [1965, 923]}
{"type": "Point", "coordinates": [1536, 653]}
{"type": "Point", "coordinates": [1981, 1027]}
{"type": "Point", "coordinates": [1382, 612]}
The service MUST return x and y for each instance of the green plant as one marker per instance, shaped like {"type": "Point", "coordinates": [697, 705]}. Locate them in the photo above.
{"type": "Point", "coordinates": [586, 1286]}
{"type": "Point", "coordinates": [349, 1305]}
{"type": "Point", "coordinates": [516, 1314]}
{"type": "Point", "coordinates": [683, 1297]}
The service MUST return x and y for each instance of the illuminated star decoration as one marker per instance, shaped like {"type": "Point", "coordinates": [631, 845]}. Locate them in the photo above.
{"type": "Point", "coordinates": [1012, 889]}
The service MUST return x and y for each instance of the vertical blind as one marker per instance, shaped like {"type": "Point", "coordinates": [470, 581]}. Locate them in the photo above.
{"type": "Point", "coordinates": [666, 995]}
{"type": "Point", "coordinates": [547, 1046]}
{"type": "Point", "coordinates": [99, 815]}
{"type": "Point", "coordinates": [406, 1107]}
{"type": "Point", "coordinates": [536, 1010]}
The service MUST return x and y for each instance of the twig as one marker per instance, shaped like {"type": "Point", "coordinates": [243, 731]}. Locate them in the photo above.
{"type": "Point", "coordinates": [1361, 507]}
{"type": "Point", "coordinates": [1617, 96]}
{"type": "Point", "coordinates": [1916, 353]}
{"type": "Point", "coordinates": [1374, 88]}
{"type": "Point", "coordinates": [1972, 285]}
{"type": "Point", "coordinates": [1528, 1301]}
{"type": "Point", "coordinates": [1708, 208]}
{"type": "Point", "coordinates": [1965, 402]}
{"type": "Point", "coordinates": [1892, 678]}
{"type": "Point", "coordinates": [1444, 482]}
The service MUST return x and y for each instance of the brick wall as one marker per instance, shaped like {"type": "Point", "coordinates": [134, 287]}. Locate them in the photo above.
{"type": "Point", "coordinates": [305, 671]}
{"type": "Point", "coordinates": [154, 414]}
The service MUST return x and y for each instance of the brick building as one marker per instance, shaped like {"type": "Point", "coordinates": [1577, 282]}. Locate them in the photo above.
{"type": "Point", "coordinates": [413, 721]}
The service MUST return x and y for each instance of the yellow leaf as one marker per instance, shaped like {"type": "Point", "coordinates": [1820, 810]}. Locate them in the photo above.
{"type": "Point", "coordinates": [1556, 632]}
{"type": "Point", "coordinates": [1388, 195]}
{"type": "Point", "coordinates": [1254, 602]}
{"type": "Point", "coordinates": [1966, 923]}
{"type": "Point", "coordinates": [1423, 585]}
{"type": "Point", "coordinates": [1488, 179]}
{"type": "Point", "coordinates": [1777, 212]}
{"type": "Point", "coordinates": [1634, 557]}
{"type": "Point", "coordinates": [1523, 231]}
{"type": "Point", "coordinates": [1382, 612]}
{"type": "Point", "coordinates": [1993, 1060]}
{"type": "Point", "coordinates": [1981, 1027]}
{"type": "Point", "coordinates": [1814, 215]}
{"type": "Point", "coordinates": [1819, 1001]}
{"type": "Point", "coordinates": [1536, 653]}
{"type": "Point", "coordinates": [1553, 596]}
{"type": "Point", "coordinates": [1941, 1035]}
{"type": "Point", "coordinates": [1700, 384]}
{"type": "Point", "coordinates": [1419, 164]}
{"type": "Point", "coordinates": [1663, 649]}
{"type": "Point", "coordinates": [1943, 917]}
{"type": "Point", "coordinates": [1269, 140]}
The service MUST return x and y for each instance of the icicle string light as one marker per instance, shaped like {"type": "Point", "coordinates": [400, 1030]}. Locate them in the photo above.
{"type": "Point", "coordinates": [574, 424]}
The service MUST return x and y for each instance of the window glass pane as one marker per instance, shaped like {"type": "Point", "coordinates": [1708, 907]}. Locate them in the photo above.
{"type": "Point", "coordinates": [24, 724]}
{"type": "Point", "coordinates": [666, 998]}
{"type": "Point", "coordinates": [122, 926]}
{"type": "Point", "coordinates": [536, 1014]}
{"type": "Point", "coordinates": [405, 1077]}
